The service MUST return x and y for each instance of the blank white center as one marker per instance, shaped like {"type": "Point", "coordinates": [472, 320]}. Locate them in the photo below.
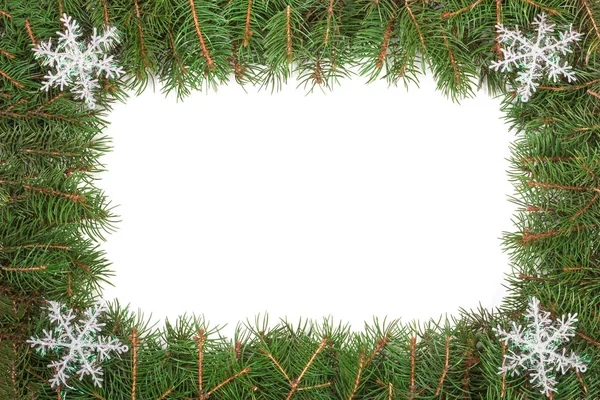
{"type": "Point", "coordinates": [365, 201]}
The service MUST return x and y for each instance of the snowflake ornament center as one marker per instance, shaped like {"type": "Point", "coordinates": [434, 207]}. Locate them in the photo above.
{"type": "Point", "coordinates": [83, 350]}
{"type": "Point", "coordinates": [535, 58]}
{"type": "Point", "coordinates": [77, 63]}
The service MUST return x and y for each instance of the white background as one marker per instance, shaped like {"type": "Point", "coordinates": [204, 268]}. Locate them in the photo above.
{"type": "Point", "coordinates": [365, 201]}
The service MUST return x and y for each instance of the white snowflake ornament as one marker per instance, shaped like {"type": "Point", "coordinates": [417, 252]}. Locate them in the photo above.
{"type": "Point", "coordinates": [535, 56]}
{"type": "Point", "coordinates": [83, 349]}
{"type": "Point", "coordinates": [78, 64]}
{"type": "Point", "coordinates": [536, 349]}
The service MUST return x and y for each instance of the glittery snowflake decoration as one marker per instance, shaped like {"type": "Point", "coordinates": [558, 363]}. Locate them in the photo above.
{"type": "Point", "coordinates": [536, 349]}
{"type": "Point", "coordinates": [536, 55]}
{"type": "Point", "coordinates": [83, 350]}
{"type": "Point", "coordinates": [77, 64]}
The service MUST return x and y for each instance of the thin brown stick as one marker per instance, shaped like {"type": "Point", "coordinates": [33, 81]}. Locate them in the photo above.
{"type": "Point", "coordinates": [561, 88]}
{"type": "Point", "coordinates": [498, 45]}
{"type": "Point", "coordinates": [49, 153]}
{"type": "Point", "coordinates": [386, 41]}
{"type": "Point", "coordinates": [587, 338]}
{"type": "Point", "coordinates": [538, 209]}
{"type": "Point", "coordinates": [587, 128]}
{"type": "Point", "coordinates": [78, 198]}
{"type": "Point", "coordinates": [390, 390]}
{"type": "Point", "coordinates": [585, 389]}
{"type": "Point", "coordinates": [34, 246]}
{"type": "Point", "coordinates": [360, 367]}
{"type": "Point", "coordinates": [554, 186]}
{"type": "Point", "coordinates": [30, 32]}
{"type": "Point", "coordinates": [329, 16]}
{"type": "Point", "coordinates": [545, 159]}
{"type": "Point", "coordinates": [315, 386]}
{"type": "Point", "coordinates": [452, 60]}
{"type": "Point", "coordinates": [25, 269]}
{"type": "Point", "coordinates": [446, 366]}
{"type": "Point", "coordinates": [177, 58]}
{"type": "Point", "coordinates": [97, 396]}
{"type": "Point", "coordinates": [140, 32]}
{"type": "Point", "coordinates": [200, 338]}
{"type": "Point", "coordinates": [248, 32]}
{"type": "Point", "coordinates": [11, 80]}
{"type": "Point", "coordinates": [82, 265]}
{"type": "Point", "coordinates": [462, 10]}
{"type": "Point", "coordinates": [105, 7]}
{"type": "Point", "coordinates": [134, 345]}
{"type": "Point", "coordinates": [277, 365]}
{"type": "Point", "coordinates": [468, 364]}
{"type": "Point", "coordinates": [412, 16]}
{"type": "Point", "coordinates": [69, 171]}
{"type": "Point", "coordinates": [413, 342]}
{"type": "Point", "coordinates": [7, 54]}
{"type": "Point", "coordinates": [548, 10]}
{"type": "Point", "coordinates": [381, 343]}
{"type": "Point", "coordinates": [165, 394]}
{"type": "Point", "coordinates": [596, 95]}
{"type": "Point", "coordinates": [52, 100]}
{"type": "Point", "coordinates": [4, 13]}
{"type": "Point", "coordinates": [574, 268]}
{"type": "Point", "coordinates": [226, 381]}
{"type": "Point", "coordinates": [296, 382]}
{"type": "Point", "coordinates": [205, 53]}
{"type": "Point", "coordinates": [585, 207]}
{"type": "Point", "coordinates": [288, 29]}
{"type": "Point", "coordinates": [529, 237]}
{"type": "Point", "coordinates": [587, 9]}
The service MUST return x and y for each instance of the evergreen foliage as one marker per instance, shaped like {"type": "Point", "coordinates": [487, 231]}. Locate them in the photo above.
{"type": "Point", "coordinates": [52, 215]}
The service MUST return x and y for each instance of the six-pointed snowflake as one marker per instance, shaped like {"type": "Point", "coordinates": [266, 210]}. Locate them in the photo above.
{"type": "Point", "coordinates": [83, 349]}
{"type": "Point", "coordinates": [78, 63]}
{"type": "Point", "coordinates": [535, 56]}
{"type": "Point", "coordinates": [536, 349]}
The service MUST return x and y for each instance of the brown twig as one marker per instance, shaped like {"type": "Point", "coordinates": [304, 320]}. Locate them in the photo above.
{"type": "Point", "coordinates": [7, 54]}
{"type": "Point", "coordinates": [587, 338]}
{"type": "Point", "coordinates": [452, 60]}
{"type": "Point", "coordinates": [548, 10]}
{"type": "Point", "coordinates": [498, 45]}
{"type": "Point", "coordinates": [529, 237]}
{"type": "Point", "coordinates": [165, 394]}
{"type": "Point", "coordinates": [78, 198]}
{"type": "Point", "coordinates": [446, 366]}
{"type": "Point", "coordinates": [248, 32]}
{"type": "Point", "coordinates": [591, 92]}
{"type": "Point", "coordinates": [52, 100]}
{"type": "Point", "coordinates": [296, 382]}
{"type": "Point", "coordinates": [277, 365]}
{"type": "Point", "coordinates": [329, 16]}
{"type": "Point", "coordinates": [554, 186]}
{"type": "Point", "coordinates": [544, 159]}
{"type": "Point", "coordinates": [140, 32]}
{"type": "Point", "coordinates": [585, 207]}
{"type": "Point", "coordinates": [200, 338]}
{"type": "Point", "coordinates": [385, 43]}
{"type": "Point", "coordinates": [205, 53]}
{"type": "Point", "coordinates": [4, 13]}
{"type": "Point", "coordinates": [288, 29]}
{"type": "Point", "coordinates": [105, 7]}
{"type": "Point", "coordinates": [25, 269]}
{"type": "Point", "coordinates": [11, 80]}
{"type": "Point", "coordinates": [412, 16]}
{"type": "Point", "coordinates": [34, 246]}
{"type": "Point", "coordinates": [134, 346]}
{"type": "Point", "coordinates": [462, 10]}
{"type": "Point", "coordinates": [413, 342]}
{"type": "Point", "coordinates": [504, 373]}
{"type": "Point", "coordinates": [30, 32]}
{"type": "Point", "coordinates": [226, 381]}
{"type": "Point", "coordinates": [568, 88]}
